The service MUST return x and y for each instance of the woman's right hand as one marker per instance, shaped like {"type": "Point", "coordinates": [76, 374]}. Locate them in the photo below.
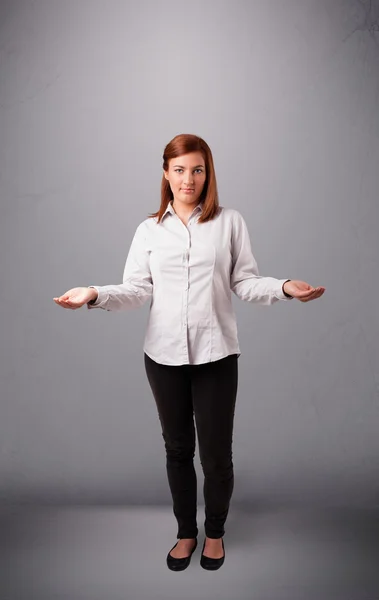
{"type": "Point", "coordinates": [76, 297]}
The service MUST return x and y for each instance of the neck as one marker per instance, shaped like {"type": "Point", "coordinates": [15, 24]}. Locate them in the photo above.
{"type": "Point", "coordinates": [183, 209]}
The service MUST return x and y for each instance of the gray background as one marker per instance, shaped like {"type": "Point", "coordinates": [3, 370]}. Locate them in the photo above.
{"type": "Point", "coordinates": [286, 95]}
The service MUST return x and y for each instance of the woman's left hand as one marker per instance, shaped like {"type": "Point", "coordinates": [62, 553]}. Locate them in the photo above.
{"type": "Point", "coordinates": [302, 290]}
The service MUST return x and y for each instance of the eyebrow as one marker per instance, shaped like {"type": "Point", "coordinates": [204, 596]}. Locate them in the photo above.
{"type": "Point", "coordinates": [181, 166]}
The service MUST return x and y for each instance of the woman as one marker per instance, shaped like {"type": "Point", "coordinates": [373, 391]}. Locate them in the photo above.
{"type": "Point", "coordinates": [186, 259]}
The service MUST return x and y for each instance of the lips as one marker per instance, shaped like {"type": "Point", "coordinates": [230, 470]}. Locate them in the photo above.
{"type": "Point", "coordinates": [188, 189]}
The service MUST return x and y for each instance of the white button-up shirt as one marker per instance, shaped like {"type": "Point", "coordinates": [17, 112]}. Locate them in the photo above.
{"type": "Point", "coordinates": [188, 273]}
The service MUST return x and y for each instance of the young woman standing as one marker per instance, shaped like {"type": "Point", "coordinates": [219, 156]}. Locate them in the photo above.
{"type": "Point", "coordinates": [186, 259]}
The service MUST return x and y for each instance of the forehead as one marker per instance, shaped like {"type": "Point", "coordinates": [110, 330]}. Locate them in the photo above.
{"type": "Point", "coordinates": [191, 159]}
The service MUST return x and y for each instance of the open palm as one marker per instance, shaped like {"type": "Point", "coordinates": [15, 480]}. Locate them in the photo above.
{"type": "Point", "coordinates": [75, 298]}
{"type": "Point", "coordinates": [302, 290]}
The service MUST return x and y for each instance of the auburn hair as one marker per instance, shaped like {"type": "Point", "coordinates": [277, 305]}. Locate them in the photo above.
{"type": "Point", "coordinates": [183, 144]}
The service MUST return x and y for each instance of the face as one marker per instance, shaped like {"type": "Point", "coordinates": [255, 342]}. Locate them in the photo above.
{"type": "Point", "coordinates": [186, 171]}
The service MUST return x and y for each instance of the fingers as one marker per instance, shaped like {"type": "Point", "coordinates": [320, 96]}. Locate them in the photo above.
{"type": "Point", "coordinates": [313, 295]}
{"type": "Point", "coordinates": [65, 303]}
{"type": "Point", "coordinates": [317, 293]}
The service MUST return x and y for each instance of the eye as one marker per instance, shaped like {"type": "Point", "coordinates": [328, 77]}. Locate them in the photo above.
{"type": "Point", "coordinates": [177, 170]}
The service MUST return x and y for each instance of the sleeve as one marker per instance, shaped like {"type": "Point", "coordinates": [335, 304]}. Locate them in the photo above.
{"type": "Point", "coordinates": [137, 285]}
{"type": "Point", "coordinates": [245, 280]}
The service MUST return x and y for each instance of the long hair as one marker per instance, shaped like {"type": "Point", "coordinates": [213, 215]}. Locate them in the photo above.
{"type": "Point", "coordinates": [183, 144]}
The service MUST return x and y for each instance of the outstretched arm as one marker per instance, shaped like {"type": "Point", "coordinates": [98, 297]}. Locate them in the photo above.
{"type": "Point", "coordinates": [137, 285]}
{"type": "Point", "coordinates": [245, 280]}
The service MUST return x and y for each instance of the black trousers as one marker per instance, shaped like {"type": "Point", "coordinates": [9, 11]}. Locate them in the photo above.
{"type": "Point", "coordinates": [208, 392]}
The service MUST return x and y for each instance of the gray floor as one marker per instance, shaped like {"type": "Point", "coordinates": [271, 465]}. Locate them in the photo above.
{"type": "Point", "coordinates": [107, 553]}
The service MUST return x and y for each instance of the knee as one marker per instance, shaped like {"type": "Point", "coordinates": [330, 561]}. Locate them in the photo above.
{"type": "Point", "coordinates": [179, 451]}
{"type": "Point", "coordinates": [217, 465]}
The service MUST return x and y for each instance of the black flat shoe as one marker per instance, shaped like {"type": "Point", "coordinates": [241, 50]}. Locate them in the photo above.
{"type": "Point", "coordinates": [212, 564]}
{"type": "Point", "coordinates": [179, 564]}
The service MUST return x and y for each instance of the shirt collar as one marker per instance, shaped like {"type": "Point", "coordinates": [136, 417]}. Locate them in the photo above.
{"type": "Point", "coordinates": [170, 209]}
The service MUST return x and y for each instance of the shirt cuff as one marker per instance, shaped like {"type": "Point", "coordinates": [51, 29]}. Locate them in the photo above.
{"type": "Point", "coordinates": [281, 295]}
{"type": "Point", "coordinates": [99, 302]}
